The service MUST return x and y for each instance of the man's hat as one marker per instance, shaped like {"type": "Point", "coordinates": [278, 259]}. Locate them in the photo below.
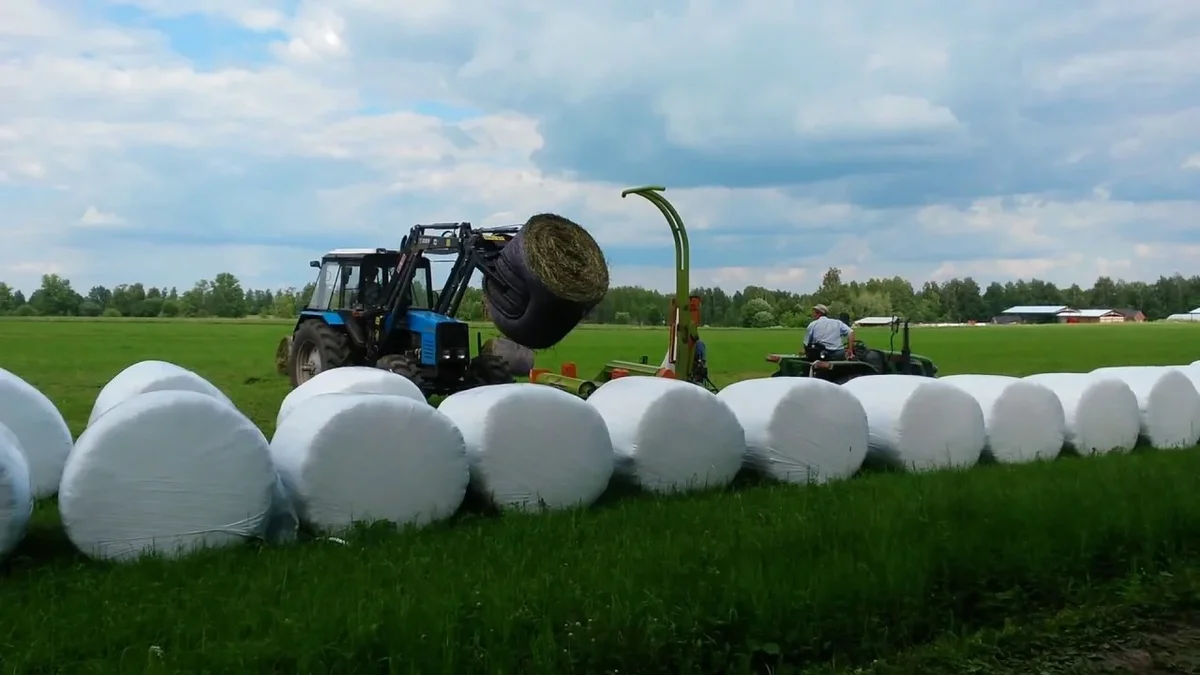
{"type": "Point", "coordinates": [821, 309]}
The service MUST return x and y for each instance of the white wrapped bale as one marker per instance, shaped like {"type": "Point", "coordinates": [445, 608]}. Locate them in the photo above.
{"type": "Point", "coordinates": [167, 472]}
{"type": "Point", "coordinates": [1168, 404]}
{"type": "Point", "coordinates": [1101, 413]}
{"type": "Point", "coordinates": [349, 380]}
{"type": "Point", "coordinates": [147, 376]}
{"type": "Point", "coordinates": [16, 492]}
{"type": "Point", "coordinates": [531, 446]}
{"type": "Point", "coordinates": [800, 429]}
{"type": "Point", "coordinates": [348, 458]}
{"type": "Point", "coordinates": [918, 423]}
{"type": "Point", "coordinates": [41, 431]}
{"type": "Point", "coordinates": [1024, 420]}
{"type": "Point", "coordinates": [669, 435]}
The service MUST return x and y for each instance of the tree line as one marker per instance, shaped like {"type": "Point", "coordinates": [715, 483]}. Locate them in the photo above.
{"type": "Point", "coordinates": [954, 300]}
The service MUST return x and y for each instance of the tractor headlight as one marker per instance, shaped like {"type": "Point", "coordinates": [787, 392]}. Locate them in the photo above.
{"type": "Point", "coordinates": [445, 354]}
{"type": "Point", "coordinates": [462, 355]}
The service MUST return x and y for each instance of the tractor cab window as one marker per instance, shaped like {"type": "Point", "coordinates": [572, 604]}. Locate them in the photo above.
{"type": "Point", "coordinates": [327, 280]}
{"type": "Point", "coordinates": [345, 295]}
{"type": "Point", "coordinates": [422, 285]}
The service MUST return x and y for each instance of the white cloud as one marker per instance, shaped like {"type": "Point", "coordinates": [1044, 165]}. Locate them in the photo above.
{"type": "Point", "coordinates": [928, 140]}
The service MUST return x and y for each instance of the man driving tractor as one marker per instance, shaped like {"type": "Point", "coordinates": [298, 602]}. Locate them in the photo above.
{"type": "Point", "coordinates": [823, 338]}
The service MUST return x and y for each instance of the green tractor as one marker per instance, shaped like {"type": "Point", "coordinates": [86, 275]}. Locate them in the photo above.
{"type": "Point", "coordinates": [866, 361]}
{"type": "Point", "coordinates": [686, 357]}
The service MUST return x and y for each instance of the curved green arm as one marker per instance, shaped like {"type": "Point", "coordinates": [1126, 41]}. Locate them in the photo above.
{"type": "Point", "coordinates": [683, 289]}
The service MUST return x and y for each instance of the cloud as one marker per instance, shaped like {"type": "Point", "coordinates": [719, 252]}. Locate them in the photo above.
{"type": "Point", "coordinates": [927, 139]}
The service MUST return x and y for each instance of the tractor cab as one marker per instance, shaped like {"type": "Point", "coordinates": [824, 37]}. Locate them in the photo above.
{"type": "Point", "coordinates": [356, 279]}
{"type": "Point", "coordinates": [866, 361]}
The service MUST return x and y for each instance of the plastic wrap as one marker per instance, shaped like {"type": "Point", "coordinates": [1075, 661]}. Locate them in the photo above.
{"type": "Point", "coordinates": [167, 472]}
{"type": "Point", "coordinates": [1024, 420]}
{"type": "Point", "coordinates": [147, 376]}
{"type": "Point", "coordinates": [1168, 404]}
{"type": "Point", "coordinates": [1101, 413]}
{"type": "Point", "coordinates": [350, 380]}
{"type": "Point", "coordinates": [531, 446]}
{"type": "Point", "coordinates": [348, 458]}
{"type": "Point", "coordinates": [16, 492]}
{"type": "Point", "coordinates": [668, 435]}
{"type": "Point", "coordinates": [40, 429]}
{"type": "Point", "coordinates": [800, 429]}
{"type": "Point", "coordinates": [918, 423]}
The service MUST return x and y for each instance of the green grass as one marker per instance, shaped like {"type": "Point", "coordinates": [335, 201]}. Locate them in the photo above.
{"type": "Point", "coordinates": [942, 573]}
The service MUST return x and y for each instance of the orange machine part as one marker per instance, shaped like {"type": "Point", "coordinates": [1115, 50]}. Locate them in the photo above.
{"type": "Point", "coordinates": [569, 369]}
{"type": "Point", "coordinates": [618, 373]}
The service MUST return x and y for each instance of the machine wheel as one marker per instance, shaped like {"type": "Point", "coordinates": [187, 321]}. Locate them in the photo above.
{"type": "Point", "coordinates": [402, 365]}
{"type": "Point", "coordinates": [490, 369]}
{"type": "Point", "coordinates": [316, 347]}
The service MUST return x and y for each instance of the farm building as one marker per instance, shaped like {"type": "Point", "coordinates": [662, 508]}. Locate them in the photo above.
{"type": "Point", "coordinates": [869, 321]}
{"type": "Point", "coordinates": [1090, 316]}
{"type": "Point", "coordinates": [1132, 314]}
{"type": "Point", "coordinates": [1032, 314]}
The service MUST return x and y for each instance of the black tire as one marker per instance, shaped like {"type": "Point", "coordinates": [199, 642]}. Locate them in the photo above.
{"type": "Point", "coordinates": [489, 369]}
{"type": "Point", "coordinates": [316, 347]}
{"type": "Point", "coordinates": [845, 378]}
{"type": "Point", "coordinates": [403, 365]}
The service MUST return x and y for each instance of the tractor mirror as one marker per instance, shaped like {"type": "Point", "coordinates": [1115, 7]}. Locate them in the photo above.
{"type": "Point", "coordinates": [314, 263]}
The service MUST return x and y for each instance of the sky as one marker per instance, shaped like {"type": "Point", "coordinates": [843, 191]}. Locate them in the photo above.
{"type": "Point", "coordinates": [164, 141]}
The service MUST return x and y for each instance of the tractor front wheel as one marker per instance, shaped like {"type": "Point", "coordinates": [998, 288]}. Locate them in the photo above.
{"type": "Point", "coordinates": [489, 369]}
{"type": "Point", "coordinates": [402, 365]}
{"type": "Point", "coordinates": [316, 347]}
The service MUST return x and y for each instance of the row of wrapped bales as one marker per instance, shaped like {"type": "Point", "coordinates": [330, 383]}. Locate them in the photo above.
{"type": "Point", "coordinates": [169, 464]}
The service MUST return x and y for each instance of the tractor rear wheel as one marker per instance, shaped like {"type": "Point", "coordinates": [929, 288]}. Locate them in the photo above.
{"type": "Point", "coordinates": [490, 369]}
{"type": "Point", "coordinates": [402, 365]}
{"type": "Point", "coordinates": [316, 347]}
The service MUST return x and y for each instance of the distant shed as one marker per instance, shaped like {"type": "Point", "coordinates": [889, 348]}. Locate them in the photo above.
{"type": "Point", "coordinates": [1090, 316]}
{"type": "Point", "coordinates": [1035, 313]}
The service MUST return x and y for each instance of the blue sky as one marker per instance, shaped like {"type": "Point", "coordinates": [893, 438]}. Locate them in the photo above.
{"type": "Point", "coordinates": [168, 140]}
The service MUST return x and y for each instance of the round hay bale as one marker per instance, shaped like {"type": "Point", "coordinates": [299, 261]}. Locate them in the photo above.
{"type": "Point", "coordinates": [1168, 404]}
{"type": "Point", "coordinates": [1024, 420]}
{"type": "Point", "coordinates": [348, 458]}
{"type": "Point", "coordinates": [547, 278]}
{"type": "Point", "coordinates": [532, 447]}
{"type": "Point", "coordinates": [349, 380]}
{"type": "Point", "coordinates": [16, 491]}
{"type": "Point", "coordinates": [799, 429]}
{"type": "Point", "coordinates": [145, 376]}
{"type": "Point", "coordinates": [668, 435]}
{"type": "Point", "coordinates": [918, 423]}
{"type": "Point", "coordinates": [518, 357]}
{"type": "Point", "coordinates": [167, 472]}
{"type": "Point", "coordinates": [1100, 413]}
{"type": "Point", "coordinates": [40, 429]}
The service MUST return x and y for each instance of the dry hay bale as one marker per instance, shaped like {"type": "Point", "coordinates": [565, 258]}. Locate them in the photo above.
{"type": "Point", "coordinates": [1024, 420]}
{"type": "Point", "coordinates": [799, 429]}
{"type": "Point", "coordinates": [518, 357]}
{"type": "Point", "coordinates": [918, 423]}
{"type": "Point", "coordinates": [168, 472]}
{"type": "Point", "coordinates": [146, 376]}
{"type": "Point", "coordinates": [16, 491]}
{"type": "Point", "coordinates": [41, 431]}
{"type": "Point", "coordinates": [532, 447]}
{"type": "Point", "coordinates": [547, 278]}
{"type": "Point", "coordinates": [1100, 413]}
{"type": "Point", "coordinates": [1168, 404]}
{"type": "Point", "coordinates": [349, 380]}
{"type": "Point", "coordinates": [353, 457]}
{"type": "Point", "coordinates": [668, 435]}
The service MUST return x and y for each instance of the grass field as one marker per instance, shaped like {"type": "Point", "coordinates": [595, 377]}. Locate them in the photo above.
{"type": "Point", "coordinates": [1068, 566]}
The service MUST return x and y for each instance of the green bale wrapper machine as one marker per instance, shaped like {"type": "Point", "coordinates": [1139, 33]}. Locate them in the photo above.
{"type": "Point", "coordinates": [686, 357]}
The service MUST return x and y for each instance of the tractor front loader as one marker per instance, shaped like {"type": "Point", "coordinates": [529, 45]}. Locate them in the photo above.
{"type": "Point", "coordinates": [377, 307]}
{"type": "Point", "coordinates": [686, 357]}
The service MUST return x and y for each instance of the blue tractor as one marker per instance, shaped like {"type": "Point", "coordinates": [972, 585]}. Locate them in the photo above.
{"type": "Point", "coordinates": [377, 307]}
